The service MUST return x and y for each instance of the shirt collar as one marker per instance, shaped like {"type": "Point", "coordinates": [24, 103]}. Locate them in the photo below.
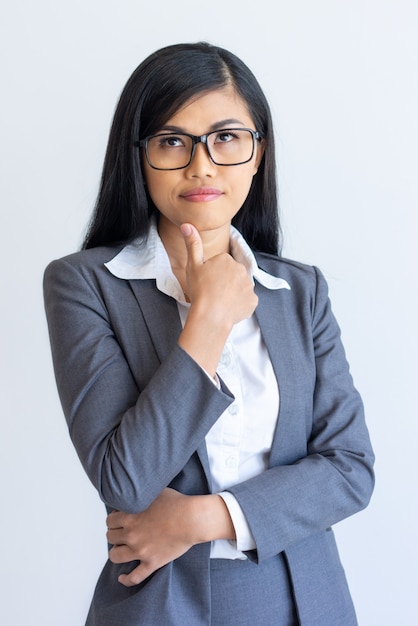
{"type": "Point", "coordinates": [149, 260]}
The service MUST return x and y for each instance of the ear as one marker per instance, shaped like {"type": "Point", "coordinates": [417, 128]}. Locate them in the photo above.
{"type": "Point", "coordinates": [260, 146]}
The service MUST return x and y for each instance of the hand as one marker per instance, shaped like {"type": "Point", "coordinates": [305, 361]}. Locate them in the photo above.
{"type": "Point", "coordinates": [221, 295]}
{"type": "Point", "coordinates": [220, 283]}
{"type": "Point", "coordinates": [166, 530]}
{"type": "Point", "coordinates": [155, 536]}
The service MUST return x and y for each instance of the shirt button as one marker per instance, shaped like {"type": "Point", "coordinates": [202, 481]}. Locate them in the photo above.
{"type": "Point", "coordinates": [231, 462]}
{"type": "Point", "coordinates": [233, 409]}
{"type": "Point", "coordinates": [225, 360]}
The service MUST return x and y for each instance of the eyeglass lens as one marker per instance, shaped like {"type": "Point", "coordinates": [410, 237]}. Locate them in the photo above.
{"type": "Point", "coordinates": [225, 147]}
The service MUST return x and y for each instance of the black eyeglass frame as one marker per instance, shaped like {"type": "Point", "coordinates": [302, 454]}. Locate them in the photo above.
{"type": "Point", "coordinates": [143, 143]}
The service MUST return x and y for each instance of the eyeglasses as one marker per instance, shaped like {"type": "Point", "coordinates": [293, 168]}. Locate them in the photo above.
{"type": "Point", "coordinates": [174, 151]}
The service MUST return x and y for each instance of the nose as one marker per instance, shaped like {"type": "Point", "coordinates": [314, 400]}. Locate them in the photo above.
{"type": "Point", "coordinates": [201, 164]}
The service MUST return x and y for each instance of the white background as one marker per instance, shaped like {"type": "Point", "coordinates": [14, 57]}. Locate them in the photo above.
{"type": "Point", "coordinates": [341, 77]}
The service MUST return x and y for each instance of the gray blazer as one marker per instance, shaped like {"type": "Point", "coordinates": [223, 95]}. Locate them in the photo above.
{"type": "Point", "coordinates": [138, 409]}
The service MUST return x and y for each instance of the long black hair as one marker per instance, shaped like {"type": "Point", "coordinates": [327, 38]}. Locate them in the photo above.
{"type": "Point", "coordinates": [156, 90]}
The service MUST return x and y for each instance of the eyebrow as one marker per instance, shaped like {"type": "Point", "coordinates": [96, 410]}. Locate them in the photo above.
{"type": "Point", "coordinates": [216, 126]}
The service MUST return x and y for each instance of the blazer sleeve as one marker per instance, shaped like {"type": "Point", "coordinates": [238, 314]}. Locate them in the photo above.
{"type": "Point", "coordinates": [335, 478]}
{"type": "Point", "coordinates": [132, 442]}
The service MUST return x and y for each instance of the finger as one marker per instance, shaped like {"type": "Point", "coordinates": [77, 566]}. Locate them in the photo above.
{"type": "Point", "coordinates": [121, 554]}
{"type": "Point", "coordinates": [116, 536]}
{"type": "Point", "coordinates": [114, 520]}
{"type": "Point", "coordinates": [137, 576]}
{"type": "Point", "coordinates": [193, 243]}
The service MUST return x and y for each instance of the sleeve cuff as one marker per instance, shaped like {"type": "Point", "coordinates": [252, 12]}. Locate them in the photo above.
{"type": "Point", "coordinates": [215, 379]}
{"type": "Point", "coordinates": [244, 537]}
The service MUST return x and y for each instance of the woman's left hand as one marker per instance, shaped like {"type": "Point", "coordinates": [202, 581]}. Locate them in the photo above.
{"type": "Point", "coordinates": [155, 536]}
{"type": "Point", "coordinates": [169, 527]}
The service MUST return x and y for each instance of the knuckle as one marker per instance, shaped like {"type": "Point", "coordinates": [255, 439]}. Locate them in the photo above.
{"type": "Point", "coordinates": [143, 553]}
{"type": "Point", "coordinates": [113, 556]}
{"type": "Point", "coordinates": [123, 520]}
{"type": "Point", "coordinates": [135, 578]}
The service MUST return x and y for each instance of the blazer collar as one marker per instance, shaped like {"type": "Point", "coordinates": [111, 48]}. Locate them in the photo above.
{"type": "Point", "coordinates": [149, 260]}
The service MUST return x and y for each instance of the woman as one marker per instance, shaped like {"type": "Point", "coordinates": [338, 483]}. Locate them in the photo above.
{"type": "Point", "coordinates": [202, 376]}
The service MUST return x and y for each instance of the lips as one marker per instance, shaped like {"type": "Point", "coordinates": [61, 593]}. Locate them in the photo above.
{"type": "Point", "coordinates": [202, 194]}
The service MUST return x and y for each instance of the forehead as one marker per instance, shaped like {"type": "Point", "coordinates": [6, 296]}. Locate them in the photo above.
{"type": "Point", "coordinates": [210, 108]}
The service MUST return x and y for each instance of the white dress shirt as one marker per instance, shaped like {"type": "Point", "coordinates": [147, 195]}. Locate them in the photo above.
{"type": "Point", "coordinates": [239, 442]}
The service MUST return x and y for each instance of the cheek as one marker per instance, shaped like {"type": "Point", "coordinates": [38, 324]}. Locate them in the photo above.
{"type": "Point", "coordinates": [158, 185]}
{"type": "Point", "coordinates": [243, 182]}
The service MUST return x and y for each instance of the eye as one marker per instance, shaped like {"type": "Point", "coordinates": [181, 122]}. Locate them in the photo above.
{"type": "Point", "coordinates": [171, 141]}
{"type": "Point", "coordinates": [225, 136]}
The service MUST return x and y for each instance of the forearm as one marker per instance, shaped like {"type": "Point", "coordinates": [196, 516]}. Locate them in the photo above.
{"type": "Point", "coordinates": [169, 421]}
{"type": "Point", "coordinates": [288, 503]}
{"type": "Point", "coordinates": [203, 338]}
{"type": "Point", "coordinates": [126, 410]}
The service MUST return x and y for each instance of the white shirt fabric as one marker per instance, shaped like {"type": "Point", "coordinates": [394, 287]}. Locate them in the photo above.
{"type": "Point", "coordinates": [239, 442]}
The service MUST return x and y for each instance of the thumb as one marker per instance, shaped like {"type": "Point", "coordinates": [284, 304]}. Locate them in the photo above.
{"type": "Point", "coordinates": [193, 243]}
{"type": "Point", "coordinates": [137, 576]}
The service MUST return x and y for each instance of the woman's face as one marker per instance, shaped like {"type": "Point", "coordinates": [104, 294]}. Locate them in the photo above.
{"type": "Point", "coordinates": [204, 194]}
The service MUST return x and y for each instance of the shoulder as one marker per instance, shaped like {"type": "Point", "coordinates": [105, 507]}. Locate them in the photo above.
{"type": "Point", "coordinates": [86, 263]}
{"type": "Point", "coordinates": [308, 294]}
{"type": "Point", "coordinates": [297, 274]}
{"type": "Point", "coordinates": [83, 274]}
{"type": "Point", "coordinates": [91, 258]}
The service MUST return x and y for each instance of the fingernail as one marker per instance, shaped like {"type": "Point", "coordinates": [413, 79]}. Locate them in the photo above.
{"type": "Point", "coordinates": [186, 230]}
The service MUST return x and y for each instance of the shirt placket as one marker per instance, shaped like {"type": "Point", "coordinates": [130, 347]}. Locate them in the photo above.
{"type": "Point", "coordinates": [231, 437]}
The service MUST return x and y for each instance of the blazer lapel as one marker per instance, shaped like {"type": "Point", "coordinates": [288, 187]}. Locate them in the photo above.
{"type": "Point", "coordinates": [162, 319]}
{"type": "Point", "coordinates": [277, 330]}
{"type": "Point", "coordinates": [160, 315]}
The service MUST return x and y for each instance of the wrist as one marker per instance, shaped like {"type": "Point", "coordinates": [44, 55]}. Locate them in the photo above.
{"type": "Point", "coordinates": [210, 519]}
{"type": "Point", "coordinates": [210, 320]}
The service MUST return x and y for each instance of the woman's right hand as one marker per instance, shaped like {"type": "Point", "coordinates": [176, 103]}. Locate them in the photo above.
{"type": "Point", "coordinates": [221, 294]}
